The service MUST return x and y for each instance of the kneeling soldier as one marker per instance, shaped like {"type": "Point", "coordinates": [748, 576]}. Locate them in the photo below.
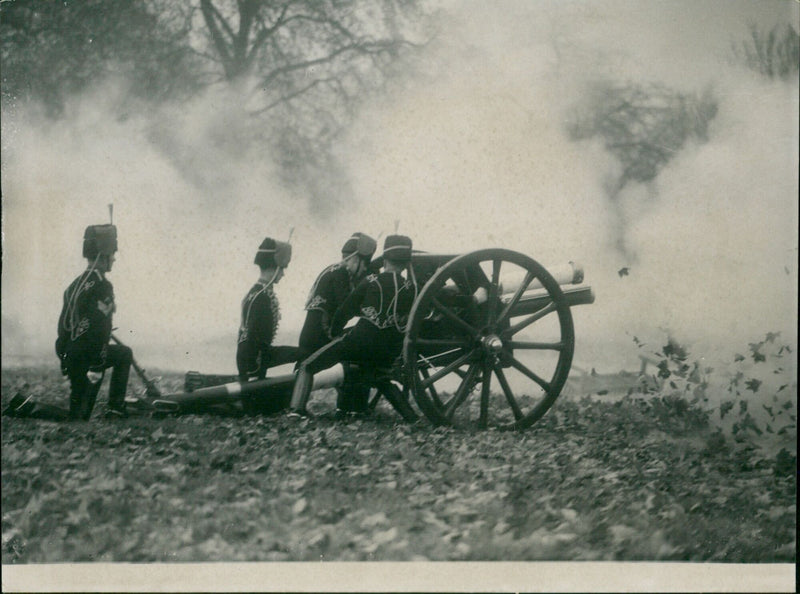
{"type": "Point", "coordinates": [382, 302]}
{"type": "Point", "coordinates": [84, 330]}
{"type": "Point", "coordinates": [329, 291]}
{"type": "Point", "coordinates": [261, 315]}
{"type": "Point", "coordinates": [331, 288]}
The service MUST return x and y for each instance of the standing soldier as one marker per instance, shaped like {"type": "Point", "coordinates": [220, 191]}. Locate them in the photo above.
{"type": "Point", "coordinates": [84, 329]}
{"type": "Point", "coordinates": [382, 302]}
{"type": "Point", "coordinates": [261, 315]}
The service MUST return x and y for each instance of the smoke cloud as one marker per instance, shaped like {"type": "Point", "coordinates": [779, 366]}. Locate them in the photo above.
{"type": "Point", "coordinates": [470, 153]}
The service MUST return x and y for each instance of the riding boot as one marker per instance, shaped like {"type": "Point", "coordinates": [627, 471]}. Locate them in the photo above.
{"type": "Point", "coordinates": [344, 402]}
{"type": "Point", "coordinates": [360, 399]}
{"type": "Point", "coordinates": [74, 406]}
{"type": "Point", "coordinates": [88, 400]}
{"type": "Point", "coordinates": [79, 386]}
{"type": "Point", "coordinates": [19, 406]}
{"type": "Point", "coordinates": [48, 412]}
{"type": "Point", "coordinates": [301, 392]}
{"type": "Point", "coordinates": [120, 358]}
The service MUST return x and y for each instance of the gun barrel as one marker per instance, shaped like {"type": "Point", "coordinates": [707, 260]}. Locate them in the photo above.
{"type": "Point", "coordinates": [564, 274]}
{"type": "Point", "coordinates": [533, 301]}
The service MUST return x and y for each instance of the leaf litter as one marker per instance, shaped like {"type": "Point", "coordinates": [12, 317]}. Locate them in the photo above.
{"type": "Point", "coordinates": [595, 481]}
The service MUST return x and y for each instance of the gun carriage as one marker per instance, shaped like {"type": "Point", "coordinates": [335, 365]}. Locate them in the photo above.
{"type": "Point", "coordinates": [489, 341]}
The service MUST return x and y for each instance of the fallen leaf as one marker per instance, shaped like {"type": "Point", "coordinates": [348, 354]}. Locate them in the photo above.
{"type": "Point", "coordinates": [299, 506]}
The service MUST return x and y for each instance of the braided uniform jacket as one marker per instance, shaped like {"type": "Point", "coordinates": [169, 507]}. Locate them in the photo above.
{"type": "Point", "coordinates": [329, 291]}
{"type": "Point", "coordinates": [383, 300]}
{"type": "Point", "coordinates": [260, 317]}
{"type": "Point", "coordinates": [84, 326]}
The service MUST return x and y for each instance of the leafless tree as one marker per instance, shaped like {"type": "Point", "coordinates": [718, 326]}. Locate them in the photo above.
{"type": "Point", "coordinates": [644, 127]}
{"type": "Point", "coordinates": [51, 50]}
{"type": "Point", "coordinates": [774, 54]}
{"type": "Point", "coordinates": [300, 69]}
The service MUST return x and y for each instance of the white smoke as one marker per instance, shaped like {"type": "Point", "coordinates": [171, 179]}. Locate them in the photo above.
{"type": "Point", "coordinates": [477, 157]}
{"type": "Point", "coordinates": [473, 154]}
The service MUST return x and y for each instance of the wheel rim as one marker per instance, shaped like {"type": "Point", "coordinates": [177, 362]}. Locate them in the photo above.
{"type": "Point", "coordinates": [496, 360]}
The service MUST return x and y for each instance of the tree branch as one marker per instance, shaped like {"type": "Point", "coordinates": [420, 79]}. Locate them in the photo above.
{"type": "Point", "coordinates": [370, 48]}
{"type": "Point", "coordinates": [212, 16]}
{"type": "Point", "coordinates": [267, 32]}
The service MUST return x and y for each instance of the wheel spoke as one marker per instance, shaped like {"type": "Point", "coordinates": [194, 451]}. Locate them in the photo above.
{"type": "Point", "coordinates": [529, 276]}
{"type": "Point", "coordinates": [431, 389]}
{"type": "Point", "coordinates": [549, 308]}
{"type": "Point", "coordinates": [453, 341]}
{"type": "Point", "coordinates": [445, 370]}
{"type": "Point", "coordinates": [461, 394]}
{"type": "Point", "coordinates": [517, 365]}
{"type": "Point", "coordinates": [441, 344]}
{"type": "Point", "coordinates": [508, 393]}
{"type": "Point", "coordinates": [451, 316]}
{"type": "Point", "coordinates": [431, 361]}
{"type": "Point", "coordinates": [493, 290]}
{"type": "Point", "coordinates": [541, 346]}
{"type": "Point", "coordinates": [483, 420]}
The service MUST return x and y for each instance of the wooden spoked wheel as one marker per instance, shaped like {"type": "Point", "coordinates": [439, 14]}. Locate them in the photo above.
{"type": "Point", "coordinates": [489, 341]}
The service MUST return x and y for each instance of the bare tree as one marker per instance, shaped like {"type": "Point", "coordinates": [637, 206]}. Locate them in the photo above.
{"type": "Point", "coordinates": [774, 54]}
{"type": "Point", "coordinates": [50, 50]}
{"type": "Point", "coordinates": [292, 46]}
{"type": "Point", "coordinates": [643, 126]}
{"type": "Point", "coordinates": [300, 69]}
{"type": "Point", "coordinates": [297, 70]}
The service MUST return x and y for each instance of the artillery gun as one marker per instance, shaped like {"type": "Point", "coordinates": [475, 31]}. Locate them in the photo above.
{"type": "Point", "coordinates": [493, 322]}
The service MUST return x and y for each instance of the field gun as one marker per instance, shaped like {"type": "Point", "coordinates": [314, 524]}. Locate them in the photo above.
{"type": "Point", "coordinates": [491, 316]}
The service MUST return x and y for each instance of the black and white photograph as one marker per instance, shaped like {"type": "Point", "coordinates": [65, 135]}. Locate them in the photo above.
{"type": "Point", "coordinates": [399, 295]}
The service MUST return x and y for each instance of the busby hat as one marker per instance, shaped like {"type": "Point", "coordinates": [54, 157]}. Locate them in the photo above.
{"type": "Point", "coordinates": [397, 248]}
{"type": "Point", "coordinates": [273, 253]}
{"type": "Point", "coordinates": [361, 244]}
{"type": "Point", "coordinates": [99, 239]}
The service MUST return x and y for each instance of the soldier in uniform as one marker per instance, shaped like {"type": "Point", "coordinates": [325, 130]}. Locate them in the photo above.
{"type": "Point", "coordinates": [331, 288]}
{"type": "Point", "coordinates": [84, 330]}
{"type": "Point", "coordinates": [261, 315]}
{"type": "Point", "coordinates": [329, 291]}
{"type": "Point", "coordinates": [382, 303]}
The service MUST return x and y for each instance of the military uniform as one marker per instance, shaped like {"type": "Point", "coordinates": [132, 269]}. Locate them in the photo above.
{"type": "Point", "coordinates": [382, 302]}
{"type": "Point", "coordinates": [329, 291]}
{"type": "Point", "coordinates": [84, 331]}
{"type": "Point", "coordinates": [260, 317]}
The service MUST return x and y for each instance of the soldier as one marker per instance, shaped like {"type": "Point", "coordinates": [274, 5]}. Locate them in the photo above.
{"type": "Point", "coordinates": [329, 291]}
{"type": "Point", "coordinates": [382, 302]}
{"type": "Point", "coordinates": [84, 329]}
{"type": "Point", "coordinates": [331, 288]}
{"type": "Point", "coordinates": [261, 315]}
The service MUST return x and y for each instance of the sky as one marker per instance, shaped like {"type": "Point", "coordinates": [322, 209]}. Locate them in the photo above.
{"type": "Point", "coordinates": [468, 153]}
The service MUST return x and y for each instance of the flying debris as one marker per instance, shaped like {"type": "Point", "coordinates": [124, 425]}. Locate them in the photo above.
{"type": "Point", "coordinates": [623, 272]}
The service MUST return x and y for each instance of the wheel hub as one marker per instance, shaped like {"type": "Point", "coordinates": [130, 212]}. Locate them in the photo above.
{"type": "Point", "coordinates": [492, 343]}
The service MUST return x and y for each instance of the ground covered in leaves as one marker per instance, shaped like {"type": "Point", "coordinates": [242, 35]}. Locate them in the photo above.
{"type": "Point", "coordinates": [636, 479]}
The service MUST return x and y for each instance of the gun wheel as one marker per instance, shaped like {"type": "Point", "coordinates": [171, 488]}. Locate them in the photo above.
{"type": "Point", "coordinates": [480, 351]}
